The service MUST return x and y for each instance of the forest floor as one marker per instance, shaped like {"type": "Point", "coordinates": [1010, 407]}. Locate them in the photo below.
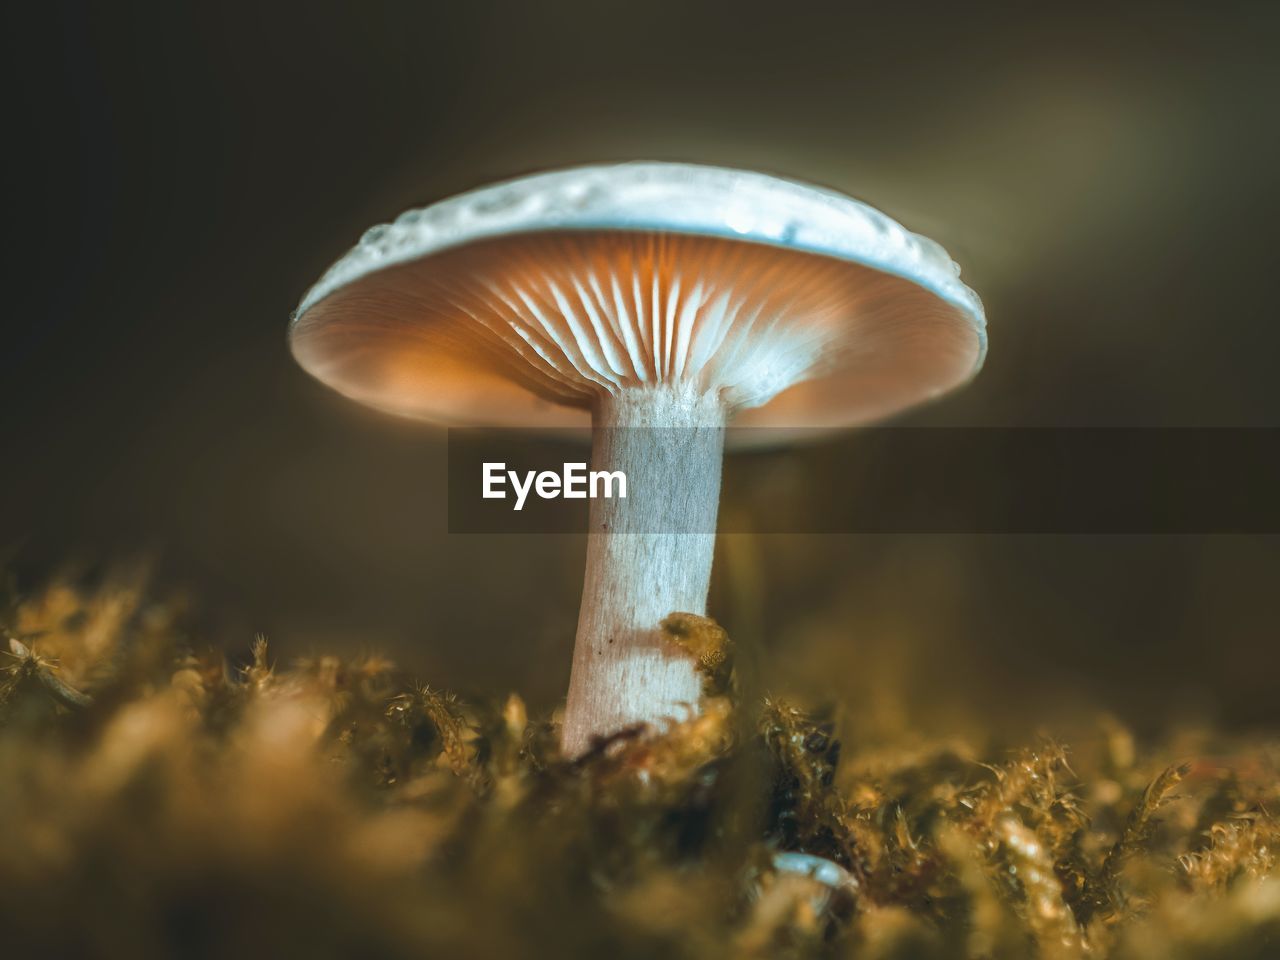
{"type": "Point", "coordinates": [159, 801]}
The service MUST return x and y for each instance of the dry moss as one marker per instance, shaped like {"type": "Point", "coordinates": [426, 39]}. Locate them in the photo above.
{"type": "Point", "coordinates": [155, 801]}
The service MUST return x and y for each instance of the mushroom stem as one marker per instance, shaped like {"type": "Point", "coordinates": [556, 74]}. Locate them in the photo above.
{"type": "Point", "coordinates": [648, 555]}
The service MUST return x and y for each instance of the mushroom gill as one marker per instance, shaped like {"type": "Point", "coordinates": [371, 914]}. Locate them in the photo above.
{"type": "Point", "coordinates": [574, 316]}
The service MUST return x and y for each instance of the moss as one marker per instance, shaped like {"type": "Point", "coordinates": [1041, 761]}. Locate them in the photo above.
{"type": "Point", "coordinates": [156, 802]}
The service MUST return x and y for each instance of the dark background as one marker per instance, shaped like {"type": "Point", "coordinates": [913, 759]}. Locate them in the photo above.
{"type": "Point", "coordinates": [1107, 179]}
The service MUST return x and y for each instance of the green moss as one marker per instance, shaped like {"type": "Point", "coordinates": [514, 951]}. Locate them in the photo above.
{"type": "Point", "coordinates": [155, 802]}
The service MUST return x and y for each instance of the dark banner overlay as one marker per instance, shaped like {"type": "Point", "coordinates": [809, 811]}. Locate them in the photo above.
{"type": "Point", "coordinates": [900, 480]}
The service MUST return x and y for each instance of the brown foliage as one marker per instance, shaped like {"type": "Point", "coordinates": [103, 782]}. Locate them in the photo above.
{"type": "Point", "coordinates": [156, 802]}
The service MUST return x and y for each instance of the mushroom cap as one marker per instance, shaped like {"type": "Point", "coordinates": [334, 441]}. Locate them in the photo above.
{"type": "Point", "coordinates": [522, 303]}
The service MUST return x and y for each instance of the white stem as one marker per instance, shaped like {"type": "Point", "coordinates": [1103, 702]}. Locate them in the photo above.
{"type": "Point", "coordinates": [670, 445]}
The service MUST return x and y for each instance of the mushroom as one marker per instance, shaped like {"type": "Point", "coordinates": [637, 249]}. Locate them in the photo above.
{"type": "Point", "coordinates": [655, 301]}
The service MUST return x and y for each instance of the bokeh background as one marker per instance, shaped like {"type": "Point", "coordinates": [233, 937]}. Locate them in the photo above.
{"type": "Point", "coordinates": [1107, 179]}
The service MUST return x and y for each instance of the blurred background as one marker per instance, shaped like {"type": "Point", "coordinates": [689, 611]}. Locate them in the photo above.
{"type": "Point", "coordinates": [1106, 178]}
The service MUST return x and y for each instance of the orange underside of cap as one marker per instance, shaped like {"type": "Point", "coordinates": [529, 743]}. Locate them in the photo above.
{"type": "Point", "coordinates": [531, 329]}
